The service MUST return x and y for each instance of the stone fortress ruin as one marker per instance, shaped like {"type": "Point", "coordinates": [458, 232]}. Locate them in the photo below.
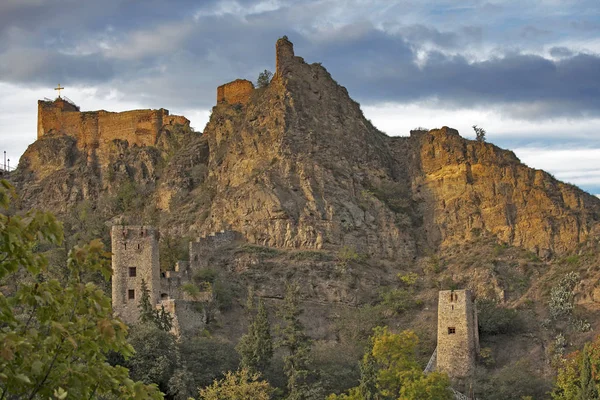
{"type": "Point", "coordinates": [136, 258]}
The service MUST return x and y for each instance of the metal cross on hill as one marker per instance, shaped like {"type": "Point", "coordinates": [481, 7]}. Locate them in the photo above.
{"type": "Point", "coordinates": [59, 89]}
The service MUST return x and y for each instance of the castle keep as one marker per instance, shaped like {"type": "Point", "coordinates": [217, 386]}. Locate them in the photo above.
{"type": "Point", "coordinates": [458, 336]}
{"type": "Point", "coordinates": [92, 129]}
{"type": "Point", "coordinates": [136, 258]}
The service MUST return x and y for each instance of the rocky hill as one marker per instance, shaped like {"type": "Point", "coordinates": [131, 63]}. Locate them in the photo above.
{"type": "Point", "coordinates": [338, 205]}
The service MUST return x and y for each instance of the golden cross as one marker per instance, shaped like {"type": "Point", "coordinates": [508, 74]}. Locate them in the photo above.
{"type": "Point", "coordinates": [59, 89]}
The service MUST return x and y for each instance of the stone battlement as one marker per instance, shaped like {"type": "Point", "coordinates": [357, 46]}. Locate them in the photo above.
{"type": "Point", "coordinates": [236, 92]}
{"type": "Point", "coordinates": [213, 241]}
{"type": "Point", "coordinates": [93, 128]}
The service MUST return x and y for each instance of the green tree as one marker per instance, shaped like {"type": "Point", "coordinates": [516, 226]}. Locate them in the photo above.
{"type": "Point", "coordinates": [240, 385]}
{"type": "Point", "coordinates": [55, 336]}
{"type": "Point", "coordinates": [155, 355]}
{"type": "Point", "coordinates": [256, 347]}
{"type": "Point", "coordinates": [479, 133]}
{"type": "Point", "coordinates": [264, 78]}
{"type": "Point", "coordinates": [301, 378]}
{"type": "Point", "coordinates": [390, 371]}
{"type": "Point", "coordinates": [577, 377]}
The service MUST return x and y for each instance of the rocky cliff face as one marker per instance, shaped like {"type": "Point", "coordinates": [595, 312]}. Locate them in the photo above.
{"type": "Point", "coordinates": [296, 165]}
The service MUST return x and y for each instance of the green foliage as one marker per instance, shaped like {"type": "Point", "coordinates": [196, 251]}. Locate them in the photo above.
{"type": "Point", "coordinates": [486, 356]}
{"type": "Point", "coordinates": [434, 265]}
{"type": "Point", "coordinates": [265, 252]}
{"type": "Point", "coordinates": [155, 359]}
{"type": "Point", "coordinates": [396, 301]}
{"type": "Point", "coordinates": [409, 279]}
{"type": "Point", "coordinates": [240, 385]}
{"type": "Point", "coordinates": [390, 371]}
{"type": "Point", "coordinates": [515, 381]}
{"type": "Point", "coordinates": [204, 360]}
{"type": "Point", "coordinates": [494, 319]}
{"type": "Point", "coordinates": [264, 78]}
{"type": "Point", "coordinates": [207, 275]}
{"type": "Point", "coordinates": [55, 335]}
{"type": "Point", "coordinates": [305, 255]}
{"type": "Point", "coordinates": [301, 378]}
{"type": "Point", "coordinates": [256, 347]}
{"type": "Point", "coordinates": [349, 254]}
{"type": "Point", "coordinates": [479, 133]}
{"type": "Point", "coordinates": [162, 319]}
{"type": "Point", "coordinates": [171, 250]}
{"type": "Point", "coordinates": [561, 302]}
{"type": "Point", "coordinates": [577, 376]}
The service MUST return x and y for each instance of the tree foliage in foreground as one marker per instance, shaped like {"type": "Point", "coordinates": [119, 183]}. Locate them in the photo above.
{"type": "Point", "coordinates": [390, 371]}
{"type": "Point", "coordinates": [240, 385]}
{"type": "Point", "coordinates": [579, 375]}
{"type": "Point", "coordinates": [54, 336]}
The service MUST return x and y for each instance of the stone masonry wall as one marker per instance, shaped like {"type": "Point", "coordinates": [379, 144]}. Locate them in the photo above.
{"type": "Point", "coordinates": [187, 320]}
{"type": "Point", "coordinates": [208, 244]}
{"type": "Point", "coordinates": [284, 53]}
{"type": "Point", "coordinates": [236, 92]}
{"type": "Point", "coordinates": [458, 340]}
{"type": "Point", "coordinates": [135, 258]}
{"type": "Point", "coordinates": [95, 128]}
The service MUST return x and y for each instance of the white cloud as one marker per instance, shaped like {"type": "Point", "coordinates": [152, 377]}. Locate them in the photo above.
{"type": "Point", "coordinates": [399, 119]}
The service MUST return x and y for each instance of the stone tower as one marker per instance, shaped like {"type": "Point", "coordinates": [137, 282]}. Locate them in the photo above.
{"type": "Point", "coordinates": [135, 258]}
{"type": "Point", "coordinates": [458, 336]}
{"type": "Point", "coordinates": [284, 53]}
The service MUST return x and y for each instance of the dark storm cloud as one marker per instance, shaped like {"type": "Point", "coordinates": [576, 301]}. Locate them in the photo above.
{"type": "Point", "coordinates": [167, 53]}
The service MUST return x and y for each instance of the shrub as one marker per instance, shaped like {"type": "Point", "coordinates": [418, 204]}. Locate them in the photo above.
{"type": "Point", "coordinates": [561, 302]}
{"type": "Point", "coordinates": [494, 319]}
{"type": "Point", "coordinates": [264, 78]}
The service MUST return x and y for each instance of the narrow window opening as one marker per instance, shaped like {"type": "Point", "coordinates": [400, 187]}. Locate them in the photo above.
{"type": "Point", "coordinates": [452, 306]}
{"type": "Point", "coordinates": [131, 294]}
{"type": "Point", "coordinates": [132, 272]}
{"type": "Point", "coordinates": [163, 275]}
{"type": "Point", "coordinates": [196, 257]}
{"type": "Point", "coordinates": [451, 330]}
{"type": "Point", "coordinates": [138, 246]}
{"type": "Point", "coordinates": [125, 244]}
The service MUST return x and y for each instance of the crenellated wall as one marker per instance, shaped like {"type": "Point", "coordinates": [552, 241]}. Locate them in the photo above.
{"type": "Point", "coordinates": [236, 92]}
{"type": "Point", "coordinates": [95, 128]}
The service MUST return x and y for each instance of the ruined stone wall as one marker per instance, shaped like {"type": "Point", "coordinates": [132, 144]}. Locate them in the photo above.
{"type": "Point", "coordinates": [135, 258]}
{"type": "Point", "coordinates": [236, 92]}
{"type": "Point", "coordinates": [284, 53]}
{"type": "Point", "coordinates": [206, 245]}
{"type": "Point", "coordinates": [96, 128]}
{"type": "Point", "coordinates": [458, 340]}
{"type": "Point", "coordinates": [187, 318]}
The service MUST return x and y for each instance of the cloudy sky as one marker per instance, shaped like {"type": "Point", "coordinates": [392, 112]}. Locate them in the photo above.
{"type": "Point", "coordinates": [527, 71]}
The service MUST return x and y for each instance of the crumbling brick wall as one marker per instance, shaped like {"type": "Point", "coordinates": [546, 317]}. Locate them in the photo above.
{"type": "Point", "coordinates": [236, 92]}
